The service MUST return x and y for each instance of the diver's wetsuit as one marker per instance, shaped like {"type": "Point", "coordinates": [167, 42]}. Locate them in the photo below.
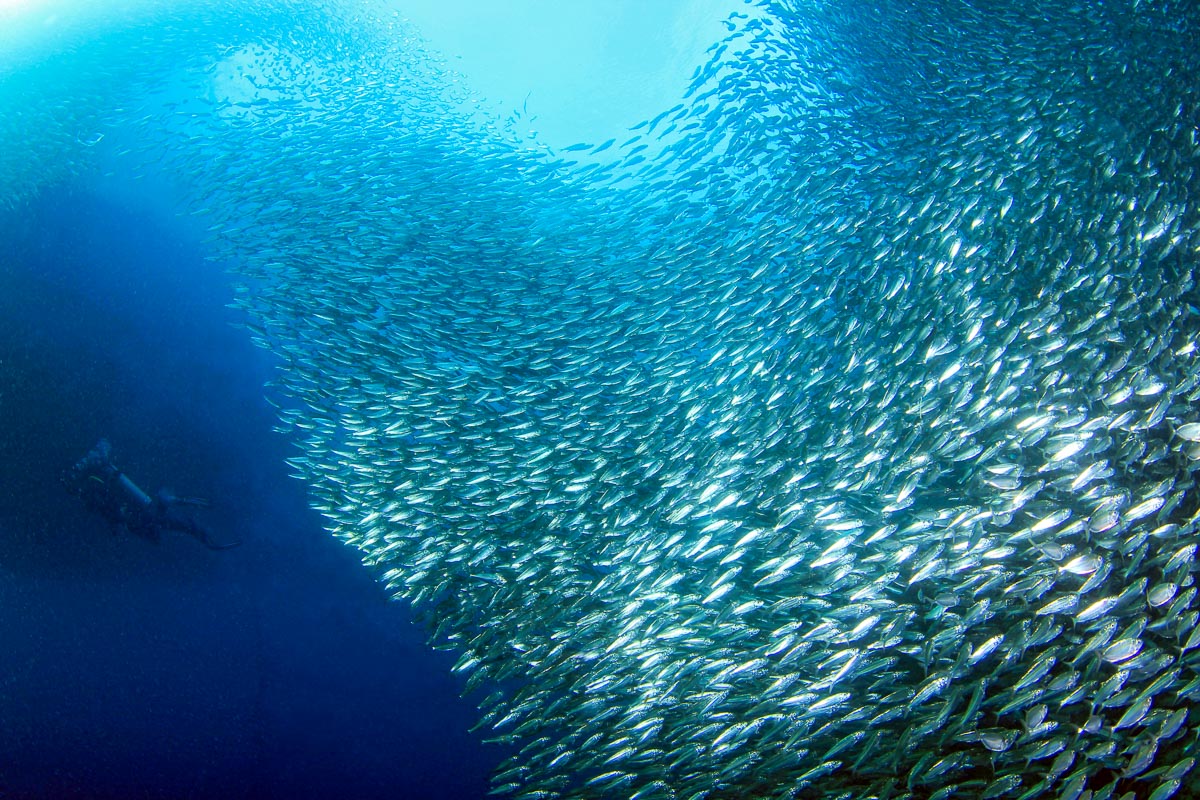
{"type": "Point", "coordinates": [109, 492]}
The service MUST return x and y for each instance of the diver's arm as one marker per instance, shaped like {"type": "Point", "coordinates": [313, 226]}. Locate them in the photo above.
{"type": "Point", "coordinates": [198, 502]}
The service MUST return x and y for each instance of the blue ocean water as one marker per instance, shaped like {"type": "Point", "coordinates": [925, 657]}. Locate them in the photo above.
{"type": "Point", "coordinates": [132, 668]}
{"type": "Point", "coordinates": [822, 425]}
{"type": "Point", "coordinates": [136, 669]}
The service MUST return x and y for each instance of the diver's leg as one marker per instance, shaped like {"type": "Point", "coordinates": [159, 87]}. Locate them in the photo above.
{"type": "Point", "coordinates": [210, 543]}
{"type": "Point", "coordinates": [194, 528]}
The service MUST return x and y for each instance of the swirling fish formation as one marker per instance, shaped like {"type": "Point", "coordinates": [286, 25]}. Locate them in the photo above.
{"type": "Point", "coordinates": [833, 436]}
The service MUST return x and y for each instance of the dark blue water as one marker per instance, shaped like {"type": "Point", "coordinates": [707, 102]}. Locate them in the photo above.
{"type": "Point", "coordinates": [130, 668]}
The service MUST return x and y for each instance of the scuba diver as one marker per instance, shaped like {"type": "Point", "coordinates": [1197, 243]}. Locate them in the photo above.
{"type": "Point", "coordinates": [110, 493]}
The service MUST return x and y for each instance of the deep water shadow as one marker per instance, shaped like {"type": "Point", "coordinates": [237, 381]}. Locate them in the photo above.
{"type": "Point", "coordinates": [139, 669]}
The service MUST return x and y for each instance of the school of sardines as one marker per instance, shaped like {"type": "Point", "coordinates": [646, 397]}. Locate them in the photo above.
{"type": "Point", "coordinates": [833, 435]}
